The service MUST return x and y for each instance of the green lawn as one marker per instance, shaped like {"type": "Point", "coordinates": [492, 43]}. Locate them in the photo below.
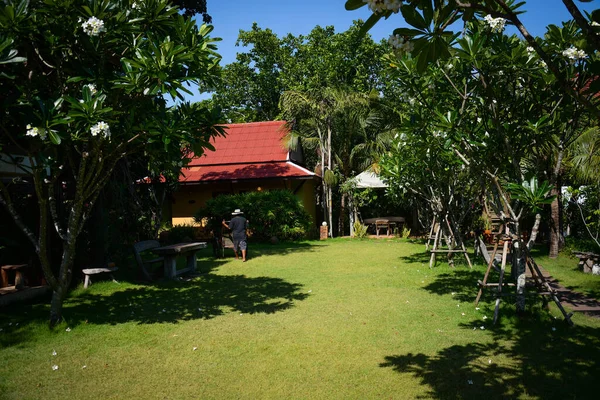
{"type": "Point", "coordinates": [341, 319]}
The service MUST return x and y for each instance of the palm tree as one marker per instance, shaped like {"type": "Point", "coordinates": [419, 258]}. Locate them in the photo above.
{"type": "Point", "coordinates": [586, 164]}
{"type": "Point", "coordinates": [341, 126]}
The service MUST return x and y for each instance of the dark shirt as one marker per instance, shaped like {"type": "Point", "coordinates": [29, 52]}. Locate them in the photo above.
{"type": "Point", "coordinates": [238, 226]}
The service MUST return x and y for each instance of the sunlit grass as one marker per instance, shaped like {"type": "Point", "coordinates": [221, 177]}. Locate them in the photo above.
{"type": "Point", "coordinates": [316, 320]}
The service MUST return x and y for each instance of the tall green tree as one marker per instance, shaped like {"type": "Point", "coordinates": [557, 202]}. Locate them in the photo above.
{"type": "Point", "coordinates": [251, 86]}
{"type": "Point", "coordinates": [89, 87]}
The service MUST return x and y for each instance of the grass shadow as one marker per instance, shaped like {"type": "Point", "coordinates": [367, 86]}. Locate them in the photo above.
{"type": "Point", "coordinates": [203, 297]}
{"type": "Point", "coordinates": [540, 358]}
{"type": "Point", "coordinates": [461, 283]}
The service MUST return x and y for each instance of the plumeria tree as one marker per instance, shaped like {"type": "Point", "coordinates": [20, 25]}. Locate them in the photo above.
{"type": "Point", "coordinates": [566, 56]}
{"type": "Point", "coordinates": [86, 86]}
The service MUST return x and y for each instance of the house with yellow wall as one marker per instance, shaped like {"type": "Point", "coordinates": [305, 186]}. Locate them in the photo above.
{"type": "Point", "coordinates": [252, 156]}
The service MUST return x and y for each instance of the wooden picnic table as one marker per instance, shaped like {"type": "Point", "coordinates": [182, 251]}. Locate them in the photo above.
{"type": "Point", "coordinates": [171, 252]}
{"type": "Point", "coordinates": [387, 223]}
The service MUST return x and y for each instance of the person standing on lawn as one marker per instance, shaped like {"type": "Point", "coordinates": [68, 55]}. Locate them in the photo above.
{"type": "Point", "coordinates": [238, 226]}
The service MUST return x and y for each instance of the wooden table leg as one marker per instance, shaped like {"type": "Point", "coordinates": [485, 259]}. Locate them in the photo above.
{"type": "Point", "coordinates": [191, 261]}
{"type": "Point", "coordinates": [170, 266]}
{"type": "Point", "coordinates": [4, 277]}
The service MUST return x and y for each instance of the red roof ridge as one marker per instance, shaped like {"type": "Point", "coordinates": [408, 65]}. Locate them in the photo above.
{"type": "Point", "coordinates": [257, 123]}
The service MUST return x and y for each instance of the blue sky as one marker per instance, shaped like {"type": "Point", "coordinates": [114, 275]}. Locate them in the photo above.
{"type": "Point", "coordinates": [300, 16]}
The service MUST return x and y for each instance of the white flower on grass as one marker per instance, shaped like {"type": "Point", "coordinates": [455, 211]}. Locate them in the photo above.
{"type": "Point", "coordinates": [477, 308]}
{"type": "Point", "coordinates": [194, 348]}
{"type": "Point", "coordinates": [84, 367]}
{"type": "Point", "coordinates": [574, 54]}
{"type": "Point", "coordinates": [489, 361]}
{"type": "Point", "coordinates": [484, 317]}
{"type": "Point", "coordinates": [93, 26]}
{"type": "Point", "coordinates": [68, 330]}
{"type": "Point", "coordinates": [53, 352]}
{"type": "Point", "coordinates": [54, 367]}
{"type": "Point", "coordinates": [399, 43]}
{"type": "Point", "coordinates": [101, 128]}
{"type": "Point", "coordinates": [380, 6]}
{"type": "Point", "coordinates": [482, 327]}
{"type": "Point", "coordinates": [463, 314]}
{"type": "Point", "coordinates": [496, 24]}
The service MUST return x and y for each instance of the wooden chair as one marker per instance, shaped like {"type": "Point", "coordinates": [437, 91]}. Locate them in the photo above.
{"type": "Point", "coordinates": [140, 249]}
{"type": "Point", "coordinates": [382, 223]}
{"type": "Point", "coordinates": [226, 243]}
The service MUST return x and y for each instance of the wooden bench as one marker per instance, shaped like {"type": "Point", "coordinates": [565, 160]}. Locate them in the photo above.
{"type": "Point", "coordinates": [19, 276]}
{"type": "Point", "coordinates": [88, 272]}
{"type": "Point", "coordinates": [140, 249]}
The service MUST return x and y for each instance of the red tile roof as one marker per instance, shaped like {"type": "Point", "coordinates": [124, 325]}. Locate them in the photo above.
{"type": "Point", "coordinates": [247, 143]}
{"type": "Point", "coordinates": [249, 151]}
{"type": "Point", "coordinates": [243, 171]}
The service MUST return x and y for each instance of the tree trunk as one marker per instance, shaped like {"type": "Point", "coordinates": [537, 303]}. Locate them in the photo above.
{"type": "Point", "coordinates": [341, 230]}
{"type": "Point", "coordinates": [556, 238]}
{"type": "Point", "coordinates": [555, 233]}
{"type": "Point", "coordinates": [56, 306]}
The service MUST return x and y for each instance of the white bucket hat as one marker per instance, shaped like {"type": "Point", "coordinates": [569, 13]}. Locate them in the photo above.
{"type": "Point", "coordinates": [237, 212]}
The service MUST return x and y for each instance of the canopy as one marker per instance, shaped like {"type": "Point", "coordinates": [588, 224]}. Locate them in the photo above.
{"type": "Point", "coordinates": [368, 179]}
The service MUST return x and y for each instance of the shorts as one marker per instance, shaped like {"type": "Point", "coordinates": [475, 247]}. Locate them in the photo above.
{"type": "Point", "coordinates": [240, 244]}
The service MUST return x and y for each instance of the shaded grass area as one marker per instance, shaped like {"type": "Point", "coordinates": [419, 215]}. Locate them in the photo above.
{"type": "Point", "coordinates": [316, 320]}
{"type": "Point", "coordinates": [565, 269]}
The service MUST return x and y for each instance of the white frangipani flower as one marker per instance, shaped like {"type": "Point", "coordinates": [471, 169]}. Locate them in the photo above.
{"type": "Point", "coordinates": [92, 88]}
{"type": "Point", "coordinates": [93, 26]}
{"type": "Point", "coordinates": [399, 43]}
{"type": "Point", "coordinates": [574, 54]}
{"type": "Point", "coordinates": [380, 6]}
{"type": "Point", "coordinates": [496, 24]}
{"type": "Point", "coordinates": [101, 128]}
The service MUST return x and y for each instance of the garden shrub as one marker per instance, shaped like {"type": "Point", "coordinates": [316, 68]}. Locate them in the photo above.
{"type": "Point", "coordinates": [360, 230]}
{"type": "Point", "coordinates": [269, 213]}
{"type": "Point", "coordinates": [182, 233]}
{"type": "Point", "coordinates": [405, 233]}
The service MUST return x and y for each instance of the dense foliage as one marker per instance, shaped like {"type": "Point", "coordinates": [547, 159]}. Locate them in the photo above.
{"type": "Point", "coordinates": [270, 213]}
{"type": "Point", "coordinates": [84, 84]}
